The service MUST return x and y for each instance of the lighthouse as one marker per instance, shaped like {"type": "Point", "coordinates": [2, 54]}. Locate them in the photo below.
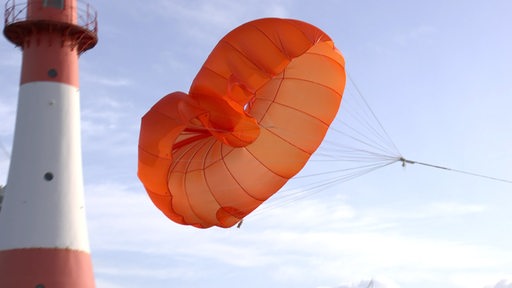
{"type": "Point", "coordinates": [43, 232]}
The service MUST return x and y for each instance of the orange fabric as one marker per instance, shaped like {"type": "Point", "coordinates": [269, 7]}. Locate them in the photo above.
{"type": "Point", "coordinates": [256, 111]}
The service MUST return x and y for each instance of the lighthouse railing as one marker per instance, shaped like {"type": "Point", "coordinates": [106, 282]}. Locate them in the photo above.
{"type": "Point", "coordinates": [87, 17]}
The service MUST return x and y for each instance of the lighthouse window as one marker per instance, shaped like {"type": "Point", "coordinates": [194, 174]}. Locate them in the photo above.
{"type": "Point", "coordinates": [54, 3]}
{"type": "Point", "coordinates": [48, 176]}
{"type": "Point", "coordinates": [52, 73]}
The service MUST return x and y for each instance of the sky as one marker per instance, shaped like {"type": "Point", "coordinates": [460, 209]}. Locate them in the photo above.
{"type": "Point", "coordinates": [435, 73]}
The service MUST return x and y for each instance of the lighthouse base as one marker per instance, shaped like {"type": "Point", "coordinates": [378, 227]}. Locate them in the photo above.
{"type": "Point", "coordinates": [45, 268]}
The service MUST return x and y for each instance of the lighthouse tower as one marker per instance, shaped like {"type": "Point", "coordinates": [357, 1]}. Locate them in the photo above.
{"type": "Point", "coordinates": [43, 232]}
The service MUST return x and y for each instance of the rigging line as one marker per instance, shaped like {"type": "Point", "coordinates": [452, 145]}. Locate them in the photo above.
{"type": "Point", "coordinates": [360, 152]}
{"type": "Point", "coordinates": [342, 177]}
{"type": "Point", "coordinates": [343, 146]}
{"type": "Point", "coordinates": [368, 114]}
{"type": "Point", "coordinates": [360, 167]}
{"type": "Point", "coordinates": [370, 109]}
{"type": "Point", "coordinates": [318, 186]}
{"type": "Point", "coordinates": [314, 189]}
{"type": "Point", "coordinates": [340, 155]}
{"type": "Point", "coordinates": [372, 126]}
{"type": "Point", "coordinates": [337, 146]}
{"type": "Point", "coordinates": [368, 142]}
{"type": "Point", "coordinates": [357, 113]}
{"type": "Point", "coordinates": [407, 161]}
{"type": "Point", "coordinates": [362, 130]}
{"type": "Point", "coordinates": [365, 120]}
{"type": "Point", "coordinates": [352, 159]}
{"type": "Point", "coordinates": [360, 133]}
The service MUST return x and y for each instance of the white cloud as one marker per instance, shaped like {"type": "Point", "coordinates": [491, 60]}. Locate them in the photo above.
{"type": "Point", "coordinates": [454, 208]}
{"type": "Point", "coordinates": [105, 80]}
{"type": "Point", "coordinates": [110, 127]}
{"type": "Point", "coordinates": [416, 34]}
{"type": "Point", "coordinates": [503, 284]}
{"type": "Point", "coordinates": [221, 13]}
{"type": "Point", "coordinates": [122, 218]}
{"type": "Point", "coordinates": [4, 163]}
{"type": "Point", "coordinates": [11, 57]}
{"type": "Point", "coordinates": [210, 19]}
{"type": "Point", "coordinates": [373, 283]}
{"type": "Point", "coordinates": [481, 279]}
{"type": "Point", "coordinates": [103, 283]}
{"type": "Point", "coordinates": [8, 112]}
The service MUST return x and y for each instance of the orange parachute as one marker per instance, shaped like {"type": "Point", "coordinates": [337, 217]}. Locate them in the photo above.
{"type": "Point", "coordinates": [256, 111]}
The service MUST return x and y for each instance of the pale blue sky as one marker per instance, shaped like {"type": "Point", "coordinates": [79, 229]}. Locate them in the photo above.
{"type": "Point", "coordinates": [436, 73]}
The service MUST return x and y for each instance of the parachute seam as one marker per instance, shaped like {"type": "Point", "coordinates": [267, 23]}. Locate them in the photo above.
{"type": "Point", "coordinates": [215, 72]}
{"type": "Point", "coordinates": [242, 53]}
{"type": "Point", "coordinates": [233, 176]}
{"type": "Point", "coordinates": [274, 102]}
{"type": "Point", "coordinates": [275, 94]}
{"type": "Point", "coordinates": [263, 164]}
{"type": "Point", "coordinates": [282, 104]}
{"type": "Point", "coordinates": [206, 178]}
{"type": "Point", "coordinates": [186, 194]}
{"type": "Point", "coordinates": [285, 140]}
{"type": "Point", "coordinates": [283, 51]}
{"type": "Point", "coordinates": [263, 117]}
{"type": "Point", "coordinates": [318, 39]}
{"type": "Point", "coordinates": [185, 151]}
{"type": "Point", "coordinates": [325, 56]}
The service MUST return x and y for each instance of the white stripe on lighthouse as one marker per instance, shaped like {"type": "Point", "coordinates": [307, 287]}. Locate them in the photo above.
{"type": "Point", "coordinates": [47, 210]}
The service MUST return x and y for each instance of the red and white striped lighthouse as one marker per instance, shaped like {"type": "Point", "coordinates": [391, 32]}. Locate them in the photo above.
{"type": "Point", "coordinates": [43, 232]}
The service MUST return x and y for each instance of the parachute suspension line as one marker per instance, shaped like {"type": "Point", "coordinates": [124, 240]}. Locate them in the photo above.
{"type": "Point", "coordinates": [407, 161]}
{"type": "Point", "coordinates": [356, 144]}
{"type": "Point", "coordinates": [355, 141]}
{"type": "Point", "coordinates": [365, 133]}
{"type": "Point", "coordinates": [367, 106]}
{"type": "Point", "coordinates": [291, 195]}
{"type": "Point", "coordinates": [362, 139]}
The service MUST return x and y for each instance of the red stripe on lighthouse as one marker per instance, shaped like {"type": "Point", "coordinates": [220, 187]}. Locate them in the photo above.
{"type": "Point", "coordinates": [46, 267]}
{"type": "Point", "coordinates": [59, 64]}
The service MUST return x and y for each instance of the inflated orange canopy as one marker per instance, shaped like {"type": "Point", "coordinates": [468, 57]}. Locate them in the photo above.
{"type": "Point", "coordinates": [256, 111]}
